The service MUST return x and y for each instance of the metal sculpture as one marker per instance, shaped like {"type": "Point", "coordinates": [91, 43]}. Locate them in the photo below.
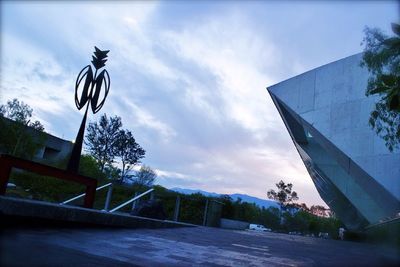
{"type": "Point", "coordinates": [89, 94]}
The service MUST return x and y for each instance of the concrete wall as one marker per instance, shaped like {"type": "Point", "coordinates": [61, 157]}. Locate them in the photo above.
{"type": "Point", "coordinates": [329, 106]}
{"type": "Point", "coordinates": [52, 149]}
{"type": "Point", "coordinates": [233, 224]}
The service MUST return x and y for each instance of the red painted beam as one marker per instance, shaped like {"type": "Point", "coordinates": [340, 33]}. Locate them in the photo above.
{"type": "Point", "coordinates": [7, 162]}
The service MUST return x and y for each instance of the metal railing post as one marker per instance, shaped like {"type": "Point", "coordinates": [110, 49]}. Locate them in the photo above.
{"type": "Point", "coordinates": [108, 198]}
{"type": "Point", "coordinates": [177, 206]}
{"type": "Point", "coordinates": [134, 202]}
{"type": "Point", "coordinates": [152, 195]}
{"type": "Point", "coordinates": [205, 213]}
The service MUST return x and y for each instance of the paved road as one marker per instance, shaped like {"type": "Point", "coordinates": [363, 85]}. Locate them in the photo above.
{"type": "Point", "coordinates": [199, 246]}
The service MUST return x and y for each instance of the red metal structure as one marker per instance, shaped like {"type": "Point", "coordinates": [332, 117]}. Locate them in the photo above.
{"type": "Point", "coordinates": [8, 162]}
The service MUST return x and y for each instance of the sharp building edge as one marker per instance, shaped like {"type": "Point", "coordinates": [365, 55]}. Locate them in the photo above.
{"type": "Point", "coordinates": [326, 113]}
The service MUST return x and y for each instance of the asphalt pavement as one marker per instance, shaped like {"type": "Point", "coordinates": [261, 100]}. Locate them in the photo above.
{"type": "Point", "coordinates": [186, 246]}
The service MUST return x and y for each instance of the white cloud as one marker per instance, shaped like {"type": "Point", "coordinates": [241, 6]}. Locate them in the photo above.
{"type": "Point", "coordinates": [34, 77]}
{"type": "Point", "coordinates": [141, 117]}
{"type": "Point", "coordinates": [168, 174]}
{"type": "Point", "coordinates": [235, 55]}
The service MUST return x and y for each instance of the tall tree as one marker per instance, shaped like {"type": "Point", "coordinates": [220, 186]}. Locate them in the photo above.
{"type": "Point", "coordinates": [16, 138]}
{"type": "Point", "coordinates": [20, 112]}
{"type": "Point", "coordinates": [128, 151]}
{"type": "Point", "coordinates": [146, 176]}
{"type": "Point", "coordinates": [88, 166]}
{"type": "Point", "coordinates": [284, 195]}
{"type": "Point", "coordinates": [382, 58]}
{"type": "Point", "coordinates": [101, 138]}
{"type": "Point", "coordinates": [318, 210]}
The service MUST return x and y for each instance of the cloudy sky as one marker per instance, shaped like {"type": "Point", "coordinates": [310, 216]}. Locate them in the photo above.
{"type": "Point", "coordinates": [188, 78]}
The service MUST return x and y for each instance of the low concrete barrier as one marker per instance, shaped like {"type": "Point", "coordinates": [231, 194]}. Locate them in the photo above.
{"type": "Point", "coordinates": [233, 224]}
{"type": "Point", "coordinates": [28, 210]}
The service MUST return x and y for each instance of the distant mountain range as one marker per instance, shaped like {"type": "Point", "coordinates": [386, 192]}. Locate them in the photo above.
{"type": "Point", "coordinates": [245, 198]}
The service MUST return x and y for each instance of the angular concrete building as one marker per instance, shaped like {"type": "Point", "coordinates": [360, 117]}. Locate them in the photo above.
{"type": "Point", "coordinates": [51, 148]}
{"type": "Point", "coordinates": [326, 114]}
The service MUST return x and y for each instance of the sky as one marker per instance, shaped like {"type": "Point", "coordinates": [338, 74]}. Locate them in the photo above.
{"type": "Point", "coordinates": [188, 78]}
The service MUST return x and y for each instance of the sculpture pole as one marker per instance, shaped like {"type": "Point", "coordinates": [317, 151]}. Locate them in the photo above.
{"type": "Point", "coordinates": [89, 94]}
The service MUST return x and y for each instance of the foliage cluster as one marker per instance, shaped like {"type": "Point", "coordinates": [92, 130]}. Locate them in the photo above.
{"type": "Point", "coordinates": [51, 189]}
{"type": "Point", "coordinates": [301, 221]}
{"type": "Point", "coordinates": [16, 138]}
{"type": "Point", "coordinates": [382, 59]}
{"type": "Point", "coordinates": [191, 208]}
{"type": "Point", "coordinates": [307, 223]}
{"type": "Point", "coordinates": [20, 112]}
{"type": "Point", "coordinates": [107, 141]}
{"type": "Point", "coordinates": [146, 176]}
{"type": "Point", "coordinates": [284, 195]}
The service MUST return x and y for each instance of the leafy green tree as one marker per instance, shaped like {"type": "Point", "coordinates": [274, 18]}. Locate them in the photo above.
{"type": "Point", "coordinates": [101, 138]}
{"type": "Point", "coordinates": [298, 222]}
{"type": "Point", "coordinates": [88, 166]}
{"type": "Point", "coordinates": [284, 195]}
{"type": "Point", "coordinates": [128, 151]}
{"type": "Point", "coordinates": [301, 206]}
{"type": "Point", "coordinates": [112, 172]}
{"type": "Point", "coordinates": [270, 217]}
{"type": "Point", "coordinates": [192, 208]}
{"type": "Point", "coordinates": [318, 210]}
{"type": "Point", "coordinates": [382, 58]}
{"type": "Point", "coordinates": [228, 209]}
{"type": "Point", "coordinates": [146, 176]}
{"type": "Point", "coordinates": [20, 112]}
{"type": "Point", "coordinates": [17, 138]}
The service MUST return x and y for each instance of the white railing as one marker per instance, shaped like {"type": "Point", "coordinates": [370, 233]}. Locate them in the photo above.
{"type": "Point", "coordinates": [132, 200]}
{"type": "Point", "coordinates": [108, 198]}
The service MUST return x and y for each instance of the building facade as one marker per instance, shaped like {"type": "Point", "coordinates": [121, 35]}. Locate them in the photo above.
{"type": "Point", "coordinates": [326, 113]}
{"type": "Point", "coordinates": [50, 148]}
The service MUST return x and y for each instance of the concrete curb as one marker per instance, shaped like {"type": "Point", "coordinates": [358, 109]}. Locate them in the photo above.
{"type": "Point", "coordinates": [33, 209]}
